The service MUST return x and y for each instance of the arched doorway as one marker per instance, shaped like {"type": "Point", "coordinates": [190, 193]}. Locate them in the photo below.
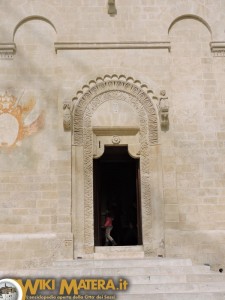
{"type": "Point", "coordinates": [115, 112]}
{"type": "Point", "coordinates": [117, 190]}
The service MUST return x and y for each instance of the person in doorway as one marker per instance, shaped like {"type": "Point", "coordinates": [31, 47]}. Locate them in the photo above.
{"type": "Point", "coordinates": [108, 228]}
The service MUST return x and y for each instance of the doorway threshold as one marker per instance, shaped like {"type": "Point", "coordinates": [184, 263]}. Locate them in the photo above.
{"type": "Point", "coordinates": [115, 252]}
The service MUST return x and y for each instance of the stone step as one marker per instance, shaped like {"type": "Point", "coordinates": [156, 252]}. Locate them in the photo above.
{"type": "Point", "coordinates": [112, 263]}
{"type": "Point", "coordinates": [168, 288]}
{"type": "Point", "coordinates": [144, 279]}
{"type": "Point", "coordinates": [181, 278]}
{"type": "Point", "coordinates": [130, 252]}
{"type": "Point", "coordinates": [146, 289]}
{"type": "Point", "coordinates": [212, 277]}
{"type": "Point", "coordinates": [107, 249]}
{"type": "Point", "coordinates": [174, 296]}
{"type": "Point", "coordinates": [152, 278]}
{"type": "Point", "coordinates": [114, 272]}
{"type": "Point", "coordinates": [114, 255]}
{"type": "Point", "coordinates": [126, 271]}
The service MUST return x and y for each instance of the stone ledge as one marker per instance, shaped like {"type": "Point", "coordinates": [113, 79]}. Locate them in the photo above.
{"type": "Point", "coordinates": [126, 252]}
{"type": "Point", "coordinates": [113, 45]}
{"type": "Point", "coordinates": [7, 50]}
{"type": "Point", "coordinates": [25, 236]}
{"type": "Point", "coordinates": [217, 48]}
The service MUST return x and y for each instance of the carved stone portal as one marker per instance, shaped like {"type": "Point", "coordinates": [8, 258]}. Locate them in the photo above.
{"type": "Point", "coordinates": [139, 130]}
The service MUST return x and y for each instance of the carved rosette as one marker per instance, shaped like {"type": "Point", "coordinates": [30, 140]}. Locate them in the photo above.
{"type": "Point", "coordinates": [139, 99]}
{"type": "Point", "coordinates": [115, 139]}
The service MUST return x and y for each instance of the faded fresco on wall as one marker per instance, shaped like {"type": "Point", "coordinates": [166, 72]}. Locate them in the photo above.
{"type": "Point", "coordinates": [20, 117]}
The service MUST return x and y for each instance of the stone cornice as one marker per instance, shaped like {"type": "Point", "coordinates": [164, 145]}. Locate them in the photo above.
{"type": "Point", "coordinates": [114, 45]}
{"type": "Point", "coordinates": [7, 50]}
{"type": "Point", "coordinates": [217, 45]}
{"type": "Point", "coordinates": [218, 48]}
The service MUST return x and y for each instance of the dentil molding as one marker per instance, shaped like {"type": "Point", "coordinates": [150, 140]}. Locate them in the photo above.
{"type": "Point", "coordinates": [7, 50]}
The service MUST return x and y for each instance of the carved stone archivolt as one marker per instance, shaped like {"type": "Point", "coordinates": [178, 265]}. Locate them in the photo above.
{"type": "Point", "coordinates": [120, 84]}
{"type": "Point", "coordinates": [84, 106]}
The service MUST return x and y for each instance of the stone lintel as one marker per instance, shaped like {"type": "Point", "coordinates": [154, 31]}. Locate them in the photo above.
{"type": "Point", "coordinates": [113, 45]}
{"type": "Point", "coordinates": [120, 130]}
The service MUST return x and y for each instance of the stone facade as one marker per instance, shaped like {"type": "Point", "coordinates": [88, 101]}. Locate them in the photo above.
{"type": "Point", "coordinates": [64, 65]}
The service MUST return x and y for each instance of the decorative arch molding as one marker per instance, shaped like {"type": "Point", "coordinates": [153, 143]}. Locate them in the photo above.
{"type": "Point", "coordinates": [190, 16]}
{"type": "Point", "coordinates": [106, 84]}
{"type": "Point", "coordinates": [86, 102]}
{"type": "Point", "coordinates": [31, 18]}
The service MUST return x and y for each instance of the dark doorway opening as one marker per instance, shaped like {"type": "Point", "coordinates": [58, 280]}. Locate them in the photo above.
{"type": "Point", "coordinates": [117, 190]}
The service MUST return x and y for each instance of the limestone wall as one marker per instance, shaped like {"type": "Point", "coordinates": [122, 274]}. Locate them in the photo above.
{"type": "Point", "coordinates": [48, 51]}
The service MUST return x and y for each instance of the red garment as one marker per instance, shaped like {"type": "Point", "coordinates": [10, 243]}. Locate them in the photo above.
{"type": "Point", "coordinates": [108, 222]}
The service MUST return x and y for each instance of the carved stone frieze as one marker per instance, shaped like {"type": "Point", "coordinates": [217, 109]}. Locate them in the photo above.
{"type": "Point", "coordinates": [119, 84]}
{"type": "Point", "coordinates": [218, 53]}
{"type": "Point", "coordinates": [6, 55]}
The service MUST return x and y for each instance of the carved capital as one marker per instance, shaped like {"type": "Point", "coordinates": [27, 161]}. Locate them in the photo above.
{"type": "Point", "coordinates": [67, 115]}
{"type": "Point", "coordinates": [164, 110]}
